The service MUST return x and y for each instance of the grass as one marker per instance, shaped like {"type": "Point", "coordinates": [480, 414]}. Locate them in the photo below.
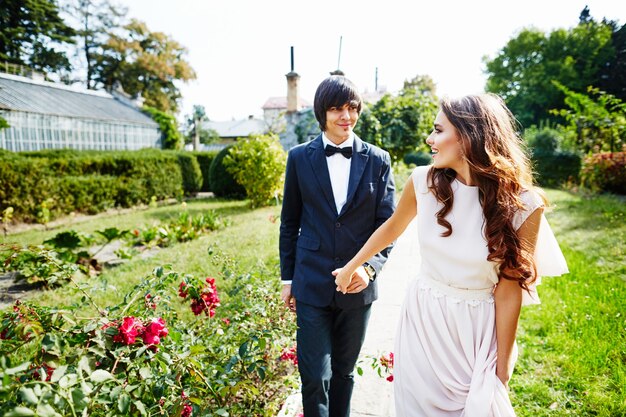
{"type": "Point", "coordinates": [572, 346]}
{"type": "Point", "coordinates": [251, 239]}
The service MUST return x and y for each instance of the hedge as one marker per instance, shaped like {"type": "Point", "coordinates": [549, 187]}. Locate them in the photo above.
{"type": "Point", "coordinates": [222, 182]}
{"type": "Point", "coordinates": [75, 181]}
{"type": "Point", "coordinates": [204, 160]}
{"type": "Point", "coordinates": [417, 158]}
{"type": "Point", "coordinates": [556, 168]}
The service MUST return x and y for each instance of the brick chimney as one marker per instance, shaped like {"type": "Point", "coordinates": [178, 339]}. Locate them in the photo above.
{"type": "Point", "coordinates": [292, 88]}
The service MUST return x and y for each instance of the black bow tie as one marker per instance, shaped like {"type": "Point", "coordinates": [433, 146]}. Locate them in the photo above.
{"type": "Point", "coordinates": [330, 150]}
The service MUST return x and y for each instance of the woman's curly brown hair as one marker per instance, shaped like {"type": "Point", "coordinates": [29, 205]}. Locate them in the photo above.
{"type": "Point", "coordinates": [500, 169]}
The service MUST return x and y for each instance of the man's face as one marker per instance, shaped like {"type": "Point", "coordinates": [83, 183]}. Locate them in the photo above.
{"type": "Point", "coordinates": [340, 121]}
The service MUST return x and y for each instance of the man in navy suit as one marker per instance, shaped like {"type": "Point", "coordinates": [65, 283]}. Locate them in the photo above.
{"type": "Point", "coordinates": [338, 190]}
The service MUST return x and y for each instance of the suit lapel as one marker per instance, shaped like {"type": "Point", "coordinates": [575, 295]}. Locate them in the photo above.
{"type": "Point", "coordinates": [315, 152]}
{"type": "Point", "coordinates": [357, 167]}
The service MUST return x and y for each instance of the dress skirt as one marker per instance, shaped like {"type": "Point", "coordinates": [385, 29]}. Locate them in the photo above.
{"type": "Point", "coordinates": [445, 354]}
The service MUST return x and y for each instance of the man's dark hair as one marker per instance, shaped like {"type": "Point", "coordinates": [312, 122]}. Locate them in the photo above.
{"type": "Point", "coordinates": [335, 91]}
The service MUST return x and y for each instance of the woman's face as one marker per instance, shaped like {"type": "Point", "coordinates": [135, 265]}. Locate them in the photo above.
{"type": "Point", "coordinates": [445, 144]}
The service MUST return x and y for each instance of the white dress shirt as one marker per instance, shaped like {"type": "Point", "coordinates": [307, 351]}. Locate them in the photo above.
{"type": "Point", "coordinates": [339, 171]}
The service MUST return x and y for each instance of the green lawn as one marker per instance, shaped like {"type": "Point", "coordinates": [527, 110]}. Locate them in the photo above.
{"type": "Point", "coordinates": [251, 239]}
{"type": "Point", "coordinates": [572, 346]}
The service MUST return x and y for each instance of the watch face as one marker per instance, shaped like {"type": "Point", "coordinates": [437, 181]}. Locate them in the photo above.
{"type": "Point", "coordinates": [371, 272]}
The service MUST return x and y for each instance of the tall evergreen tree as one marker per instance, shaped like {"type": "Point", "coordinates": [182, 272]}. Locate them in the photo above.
{"type": "Point", "coordinates": [32, 33]}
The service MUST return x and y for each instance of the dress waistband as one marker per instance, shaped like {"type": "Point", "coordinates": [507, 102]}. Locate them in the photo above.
{"type": "Point", "coordinates": [455, 292]}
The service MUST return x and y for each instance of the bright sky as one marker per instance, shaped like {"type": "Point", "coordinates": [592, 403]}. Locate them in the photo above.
{"type": "Point", "coordinates": [240, 49]}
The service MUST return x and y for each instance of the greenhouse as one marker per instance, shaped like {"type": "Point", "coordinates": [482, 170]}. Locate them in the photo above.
{"type": "Point", "coordinates": [45, 115]}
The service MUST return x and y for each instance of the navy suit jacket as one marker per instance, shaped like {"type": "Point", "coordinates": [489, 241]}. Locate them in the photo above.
{"type": "Point", "coordinates": [314, 239]}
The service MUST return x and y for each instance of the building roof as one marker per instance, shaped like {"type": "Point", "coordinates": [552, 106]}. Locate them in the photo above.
{"type": "Point", "coordinates": [237, 128]}
{"type": "Point", "coordinates": [372, 97]}
{"type": "Point", "coordinates": [24, 94]}
{"type": "Point", "coordinates": [280, 103]}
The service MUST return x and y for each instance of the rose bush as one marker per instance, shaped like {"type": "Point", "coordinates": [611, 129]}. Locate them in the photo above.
{"type": "Point", "coordinates": [152, 354]}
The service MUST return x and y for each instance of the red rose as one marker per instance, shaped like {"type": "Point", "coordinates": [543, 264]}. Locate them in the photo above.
{"type": "Point", "coordinates": [154, 331]}
{"type": "Point", "coordinates": [128, 331]}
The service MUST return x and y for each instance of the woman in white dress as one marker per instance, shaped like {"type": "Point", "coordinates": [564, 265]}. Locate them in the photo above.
{"type": "Point", "coordinates": [484, 243]}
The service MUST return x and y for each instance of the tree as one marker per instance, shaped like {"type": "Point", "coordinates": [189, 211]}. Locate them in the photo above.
{"type": "Point", "coordinates": [612, 77]}
{"type": "Point", "coordinates": [400, 124]}
{"type": "Point", "coordinates": [523, 71]}
{"type": "Point", "coordinates": [420, 84]}
{"type": "Point", "coordinates": [95, 19]}
{"type": "Point", "coordinates": [597, 118]}
{"type": "Point", "coordinates": [196, 133]}
{"type": "Point", "coordinates": [32, 33]}
{"type": "Point", "coordinates": [145, 63]}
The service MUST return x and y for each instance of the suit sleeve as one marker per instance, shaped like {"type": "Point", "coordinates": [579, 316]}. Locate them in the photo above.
{"type": "Point", "coordinates": [289, 220]}
{"type": "Point", "coordinates": [386, 207]}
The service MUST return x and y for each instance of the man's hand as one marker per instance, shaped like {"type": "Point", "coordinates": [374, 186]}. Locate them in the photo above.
{"type": "Point", "coordinates": [287, 298]}
{"type": "Point", "coordinates": [351, 284]}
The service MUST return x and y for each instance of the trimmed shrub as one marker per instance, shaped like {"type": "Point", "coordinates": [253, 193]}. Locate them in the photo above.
{"type": "Point", "coordinates": [222, 182]}
{"type": "Point", "coordinates": [605, 171]}
{"type": "Point", "coordinates": [71, 181]}
{"type": "Point", "coordinates": [90, 194]}
{"type": "Point", "coordinates": [552, 165]}
{"type": "Point", "coordinates": [258, 163]}
{"type": "Point", "coordinates": [190, 170]}
{"type": "Point", "coordinates": [24, 185]}
{"type": "Point", "coordinates": [204, 160]}
{"type": "Point", "coordinates": [417, 158]}
{"type": "Point", "coordinates": [554, 169]}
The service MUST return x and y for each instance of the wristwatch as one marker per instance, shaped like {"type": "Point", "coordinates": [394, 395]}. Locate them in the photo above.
{"type": "Point", "coordinates": [370, 271]}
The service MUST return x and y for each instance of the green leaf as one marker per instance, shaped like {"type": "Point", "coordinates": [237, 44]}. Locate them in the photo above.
{"type": "Point", "coordinates": [141, 407]}
{"type": "Point", "coordinates": [78, 397]}
{"type": "Point", "coordinates": [28, 395]}
{"type": "Point", "coordinates": [17, 369]}
{"type": "Point", "coordinates": [197, 349]}
{"type": "Point", "coordinates": [111, 233]}
{"type": "Point", "coordinates": [83, 365]}
{"type": "Point", "coordinates": [91, 325]}
{"type": "Point", "coordinates": [145, 372]}
{"type": "Point", "coordinates": [359, 371]}
{"type": "Point", "coordinates": [68, 380]}
{"type": "Point", "coordinates": [58, 373]}
{"type": "Point", "coordinates": [100, 375]}
{"type": "Point", "coordinates": [65, 240]}
{"type": "Point", "coordinates": [243, 349]}
{"type": "Point", "coordinates": [222, 412]}
{"type": "Point", "coordinates": [262, 343]}
{"type": "Point", "coordinates": [46, 410]}
{"type": "Point", "coordinates": [20, 411]}
{"type": "Point", "coordinates": [261, 371]}
{"type": "Point", "coordinates": [123, 403]}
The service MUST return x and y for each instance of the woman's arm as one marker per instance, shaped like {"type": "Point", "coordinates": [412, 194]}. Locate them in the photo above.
{"type": "Point", "coordinates": [382, 237]}
{"type": "Point", "coordinates": [508, 301]}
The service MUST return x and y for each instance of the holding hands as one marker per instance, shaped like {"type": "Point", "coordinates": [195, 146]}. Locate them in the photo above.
{"type": "Point", "coordinates": [351, 281]}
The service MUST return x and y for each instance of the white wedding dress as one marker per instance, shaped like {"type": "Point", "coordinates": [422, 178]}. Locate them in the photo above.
{"type": "Point", "coordinates": [445, 349]}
